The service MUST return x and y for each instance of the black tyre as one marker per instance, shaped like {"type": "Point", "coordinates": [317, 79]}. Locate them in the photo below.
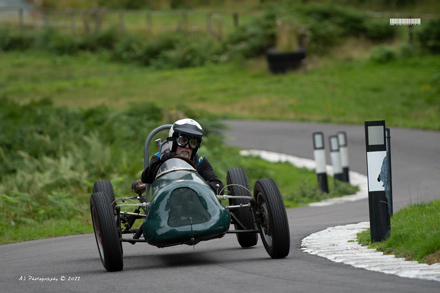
{"type": "Point", "coordinates": [273, 226]}
{"type": "Point", "coordinates": [106, 187]}
{"type": "Point", "coordinates": [106, 233]}
{"type": "Point", "coordinates": [238, 184]}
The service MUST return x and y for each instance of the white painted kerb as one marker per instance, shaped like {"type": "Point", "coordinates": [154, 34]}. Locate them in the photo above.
{"type": "Point", "coordinates": [339, 244]}
{"type": "Point", "coordinates": [355, 178]}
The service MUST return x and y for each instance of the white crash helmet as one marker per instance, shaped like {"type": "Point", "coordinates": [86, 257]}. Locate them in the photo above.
{"type": "Point", "coordinates": [186, 128]}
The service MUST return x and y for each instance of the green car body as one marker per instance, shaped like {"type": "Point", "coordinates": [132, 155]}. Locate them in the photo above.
{"type": "Point", "coordinates": [183, 208]}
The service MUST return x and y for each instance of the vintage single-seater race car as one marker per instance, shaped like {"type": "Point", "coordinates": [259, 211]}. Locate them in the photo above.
{"type": "Point", "coordinates": [181, 208]}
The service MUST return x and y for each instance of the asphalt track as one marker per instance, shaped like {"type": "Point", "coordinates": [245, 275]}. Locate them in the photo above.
{"type": "Point", "coordinates": [73, 264]}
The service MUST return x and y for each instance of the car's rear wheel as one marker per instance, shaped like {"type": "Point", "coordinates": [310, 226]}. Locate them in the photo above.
{"type": "Point", "coordinates": [238, 184]}
{"type": "Point", "coordinates": [106, 233]}
{"type": "Point", "coordinates": [273, 224]}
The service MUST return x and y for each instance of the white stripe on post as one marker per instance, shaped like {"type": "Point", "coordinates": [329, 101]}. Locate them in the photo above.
{"type": "Point", "coordinates": [343, 150]}
{"type": "Point", "coordinates": [319, 154]}
{"type": "Point", "coordinates": [336, 158]}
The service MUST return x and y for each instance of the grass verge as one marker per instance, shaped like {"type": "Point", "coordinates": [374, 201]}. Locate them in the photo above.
{"type": "Point", "coordinates": [406, 89]}
{"type": "Point", "coordinates": [47, 229]}
{"type": "Point", "coordinates": [415, 234]}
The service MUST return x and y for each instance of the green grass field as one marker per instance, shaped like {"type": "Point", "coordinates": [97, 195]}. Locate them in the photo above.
{"type": "Point", "coordinates": [404, 92]}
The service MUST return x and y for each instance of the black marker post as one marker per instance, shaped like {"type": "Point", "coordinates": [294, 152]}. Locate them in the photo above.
{"type": "Point", "coordinates": [319, 154]}
{"type": "Point", "coordinates": [378, 171]}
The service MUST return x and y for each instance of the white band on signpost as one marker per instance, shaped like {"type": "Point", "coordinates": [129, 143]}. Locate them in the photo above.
{"type": "Point", "coordinates": [344, 156]}
{"type": "Point", "coordinates": [321, 164]}
{"type": "Point", "coordinates": [335, 156]}
{"type": "Point", "coordinates": [343, 150]}
{"type": "Point", "coordinates": [319, 154]}
{"type": "Point", "coordinates": [374, 164]}
{"type": "Point", "coordinates": [336, 162]}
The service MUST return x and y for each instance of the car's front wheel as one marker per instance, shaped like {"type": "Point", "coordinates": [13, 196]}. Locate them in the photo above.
{"type": "Point", "coordinates": [106, 233]}
{"type": "Point", "coordinates": [106, 187]}
{"type": "Point", "coordinates": [272, 218]}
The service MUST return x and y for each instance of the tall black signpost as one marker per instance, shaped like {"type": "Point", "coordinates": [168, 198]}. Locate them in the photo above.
{"type": "Point", "coordinates": [379, 179]}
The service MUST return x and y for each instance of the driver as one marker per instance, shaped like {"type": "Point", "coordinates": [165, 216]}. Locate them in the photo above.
{"type": "Point", "coordinates": [184, 139]}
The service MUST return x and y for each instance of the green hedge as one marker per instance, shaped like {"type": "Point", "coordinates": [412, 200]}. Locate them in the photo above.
{"type": "Point", "coordinates": [324, 25]}
{"type": "Point", "coordinates": [429, 36]}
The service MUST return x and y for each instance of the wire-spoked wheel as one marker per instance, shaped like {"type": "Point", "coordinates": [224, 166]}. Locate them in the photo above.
{"type": "Point", "coordinates": [238, 184]}
{"type": "Point", "coordinates": [272, 218]}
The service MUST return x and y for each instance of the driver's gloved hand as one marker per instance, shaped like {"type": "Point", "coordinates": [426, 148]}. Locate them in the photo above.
{"type": "Point", "coordinates": [166, 156]}
{"type": "Point", "coordinates": [138, 186]}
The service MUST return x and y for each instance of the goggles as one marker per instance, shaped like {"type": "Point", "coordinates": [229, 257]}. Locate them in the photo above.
{"type": "Point", "coordinates": [183, 141]}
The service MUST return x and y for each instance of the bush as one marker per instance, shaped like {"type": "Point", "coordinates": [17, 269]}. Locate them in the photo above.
{"type": "Point", "coordinates": [99, 40]}
{"type": "Point", "coordinates": [133, 48]}
{"type": "Point", "coordinates": [407, 50]}
{"type": "Point", "coordinates": [254, 38]}
{"type": "Point", "coordinates": [155, 46]}
{"type": "Point", "coordinates": [193, 51]}
{"type": "Point", "coordinates": [49, 156]}
{"type": "Point", "coordinates": [177, 50]}
{"type": "Point", "coordinates": [129, 49]}
{"type": "Point", "coordinates": [122, 4]}
{"type": "Point", "coordinates": [15, 41]}
{"type": "Point", "coordinates": [396, 3]}
{"type": "Point", "coordinates": [61, 44]}
{"type": "Point", "coordinates": [329, 24]}
{"type": "Point", "coordinates": [382, 54]}
{"type": "Point", "coordinates": [379, 30]}
{"type": "Point", "coordinates": [349, 21]}
{"type": "Point", "coordinates": [323, 25]}
{"type": "Point", "coordinates": [429, 36]}
{"type": "Point", "coordinates": [323, 37]}
{"type": "Point", "coordinates": [173, 50]}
